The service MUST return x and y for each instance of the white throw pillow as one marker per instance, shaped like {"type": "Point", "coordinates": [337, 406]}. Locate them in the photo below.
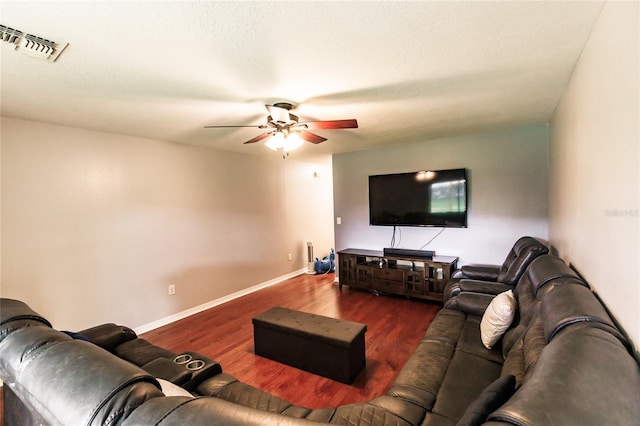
{"type": "Point", "coordinates": [497, 318]}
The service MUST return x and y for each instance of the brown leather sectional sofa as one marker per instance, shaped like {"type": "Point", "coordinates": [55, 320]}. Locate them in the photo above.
{"type": "Point", "coordinates": [562, 361]}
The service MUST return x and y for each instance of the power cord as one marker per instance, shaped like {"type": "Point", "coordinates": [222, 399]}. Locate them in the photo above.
{"type": "Point", "coordinates": [393, 237]}
{"type": "Point", "coordinates": [436, 236]}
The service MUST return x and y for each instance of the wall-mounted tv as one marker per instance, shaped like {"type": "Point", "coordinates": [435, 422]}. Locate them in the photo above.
{"type": "Point", "coordinates": [425, 198]}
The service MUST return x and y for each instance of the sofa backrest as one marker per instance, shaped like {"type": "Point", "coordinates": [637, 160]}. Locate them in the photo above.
{"type": "Point", "coordinates": [15, 314]}
{"type": "Point", "coordinates": [568, 304]}
{"type": "Point", "coordinates": [518, 259]}
{"type": "Point", "coordinates": [542, 271]}
{"type": "Point", "coordinates": [572, 364]}
{"type": "Point", "coordinates": [62, 381]}
{"type": "Point", "coordinates": [584, 376]}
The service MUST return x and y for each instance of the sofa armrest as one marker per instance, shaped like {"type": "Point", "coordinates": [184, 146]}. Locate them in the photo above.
{"type": "Point", "coordinates": [484, 287]}
{"type": "Point", "coordinates": [470, 303]}
{"type": "Point", "coordinates": [179, 411]}
{"type": "Point", "coordinates": [201, 368]}
{"type": "Point", "coordinates": [166, 369]}
{"type": "Point", "coordinates": [412, 413]}
{"type": "Point", "coordinates": [480, 272]}
{"type": "Point", "coordinates": [108, 336]}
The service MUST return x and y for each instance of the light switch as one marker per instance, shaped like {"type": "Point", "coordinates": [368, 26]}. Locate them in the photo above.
{"type": "Point", "coordinates": [338, 220]}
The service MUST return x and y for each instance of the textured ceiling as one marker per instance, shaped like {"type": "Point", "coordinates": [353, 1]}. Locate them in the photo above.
{"type": "Point", "coordinates": [408, 71]}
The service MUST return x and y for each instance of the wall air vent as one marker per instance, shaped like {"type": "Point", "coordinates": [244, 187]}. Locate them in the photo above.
{"type": "Point", "coordinates": [30, 44]}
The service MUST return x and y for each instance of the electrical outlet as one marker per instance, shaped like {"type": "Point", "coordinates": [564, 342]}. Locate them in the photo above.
{"type": "Point", "coordinates": [172, 289]}
{"type": "Point", "coordinates": [289, 256]}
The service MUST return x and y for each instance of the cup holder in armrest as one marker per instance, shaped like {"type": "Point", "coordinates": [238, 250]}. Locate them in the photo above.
{"type": "Point", "coordinates": [195, 365]}
{"type": "Point", "coordinates": [200, 367]}
{"type": "Point", "coordinates": [163, 368]}
{"type": "Point", "coordinates": [183, 359]}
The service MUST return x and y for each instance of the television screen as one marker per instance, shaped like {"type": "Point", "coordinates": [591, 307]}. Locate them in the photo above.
{"type": "Point", "coordinates": [425, 198]}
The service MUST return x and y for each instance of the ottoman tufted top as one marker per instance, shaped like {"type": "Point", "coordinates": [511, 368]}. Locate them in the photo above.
{"type": "Point", "coordinates": [316, 327]}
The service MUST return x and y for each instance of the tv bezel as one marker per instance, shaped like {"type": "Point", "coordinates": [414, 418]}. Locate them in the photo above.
{"type": "Point", "coordinates": [448, 224]}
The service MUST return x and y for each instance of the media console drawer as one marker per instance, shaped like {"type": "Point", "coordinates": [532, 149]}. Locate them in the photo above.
{"type": "Point", "coordinates": [395, 287]}
{"type": "Point", "coordinates": [388, 274]}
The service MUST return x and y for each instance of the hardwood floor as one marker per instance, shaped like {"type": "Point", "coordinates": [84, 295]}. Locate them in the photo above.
{"type": "Point", "coordinates": [225, 333]}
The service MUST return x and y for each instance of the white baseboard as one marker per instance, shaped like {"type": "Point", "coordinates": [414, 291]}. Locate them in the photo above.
{"type": "Point", "coordinates": [196, 309]}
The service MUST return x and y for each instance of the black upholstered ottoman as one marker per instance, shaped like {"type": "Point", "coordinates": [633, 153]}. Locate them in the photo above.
{"type": "Point", "coordinates": [326, 346]}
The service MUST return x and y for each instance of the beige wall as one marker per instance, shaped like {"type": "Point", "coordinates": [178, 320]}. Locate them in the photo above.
{"type": "Point", "coordinates": [96, 226]}
{"type": "Point", "coordinates": [507, 170]}
{"type": "Point", "coordinates": [594, 161]}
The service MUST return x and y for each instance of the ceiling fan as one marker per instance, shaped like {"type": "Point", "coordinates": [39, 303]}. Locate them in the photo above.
{"type": "Point", "coordinates": [286, 130]}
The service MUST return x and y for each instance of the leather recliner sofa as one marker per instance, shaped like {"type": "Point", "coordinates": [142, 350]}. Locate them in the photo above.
{"type": "Point", "coordinates": [562, 361]}
{"type": "Point", "coordinates": [494, 279]}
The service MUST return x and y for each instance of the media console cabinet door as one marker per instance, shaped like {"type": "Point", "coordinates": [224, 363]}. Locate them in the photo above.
{"type": "Point", "coordinates": [346, 269]}
{"type": "Point", "coordinates": [363, 277]}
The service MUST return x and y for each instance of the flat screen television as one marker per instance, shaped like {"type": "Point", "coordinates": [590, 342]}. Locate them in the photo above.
{"type": "Point", "coordinates": [425, 198]}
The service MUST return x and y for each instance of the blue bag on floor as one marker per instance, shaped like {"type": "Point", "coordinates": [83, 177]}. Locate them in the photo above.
{"type": "Point", "coordinates": [325, 265]}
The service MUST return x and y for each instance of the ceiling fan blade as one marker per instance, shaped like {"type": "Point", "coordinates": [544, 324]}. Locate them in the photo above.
{"type": "Point", "coordinates": [310, 137]}
{"type": "Point", "coordinates": [278, 114]}
{"type": "Point", "coordinates": [333, 124]}
{"type": "Point", "coordinates": [257, 126]}
{"type": "Point", "coordinates": [259, 138]}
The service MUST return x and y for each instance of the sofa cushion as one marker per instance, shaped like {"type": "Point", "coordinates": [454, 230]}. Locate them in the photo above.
{"type": "Point", "coordinates": [491, 398]}
{"type": "Point", "coordinates": [446, 326]}
{"type": "Point", "coordinates": [421, 377]}
{"type": "Point", "coordinates": [465, 379]}
{"type": "Point", "coordinates": [470, 342]}
{"type": "Point", "coordinates": [514, 364]}
{"type": "Point", "coordinates": [511, 337]}
{"type": "Point", "coordinates": [497, 318]}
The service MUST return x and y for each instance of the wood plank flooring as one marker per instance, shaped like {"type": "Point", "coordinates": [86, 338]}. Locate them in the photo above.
{"type": "Point", "coordinates": [395, 325]}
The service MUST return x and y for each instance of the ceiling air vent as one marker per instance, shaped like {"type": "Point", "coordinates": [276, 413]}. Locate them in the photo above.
{"type": "Point", "coordinates": [30, 44]}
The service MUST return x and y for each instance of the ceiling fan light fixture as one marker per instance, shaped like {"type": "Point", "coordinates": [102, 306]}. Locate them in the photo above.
{"type": "Point", "coordinates": [291, 142]}
{"type": "Point", "coordinates": [276, 141]}
{"type": "Point", "coordinates": [285, 142]}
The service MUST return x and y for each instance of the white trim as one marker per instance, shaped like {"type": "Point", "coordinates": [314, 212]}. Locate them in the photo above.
{"type": "Point", "coordinates": [196, 309]}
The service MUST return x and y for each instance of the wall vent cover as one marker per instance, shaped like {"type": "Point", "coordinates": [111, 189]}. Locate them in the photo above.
{"type": "Point", "coordinates": [31, 45]}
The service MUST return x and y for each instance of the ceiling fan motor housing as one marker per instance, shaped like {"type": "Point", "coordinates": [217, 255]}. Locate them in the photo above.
{"type": "Point", "coordinates": [279, 114]}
